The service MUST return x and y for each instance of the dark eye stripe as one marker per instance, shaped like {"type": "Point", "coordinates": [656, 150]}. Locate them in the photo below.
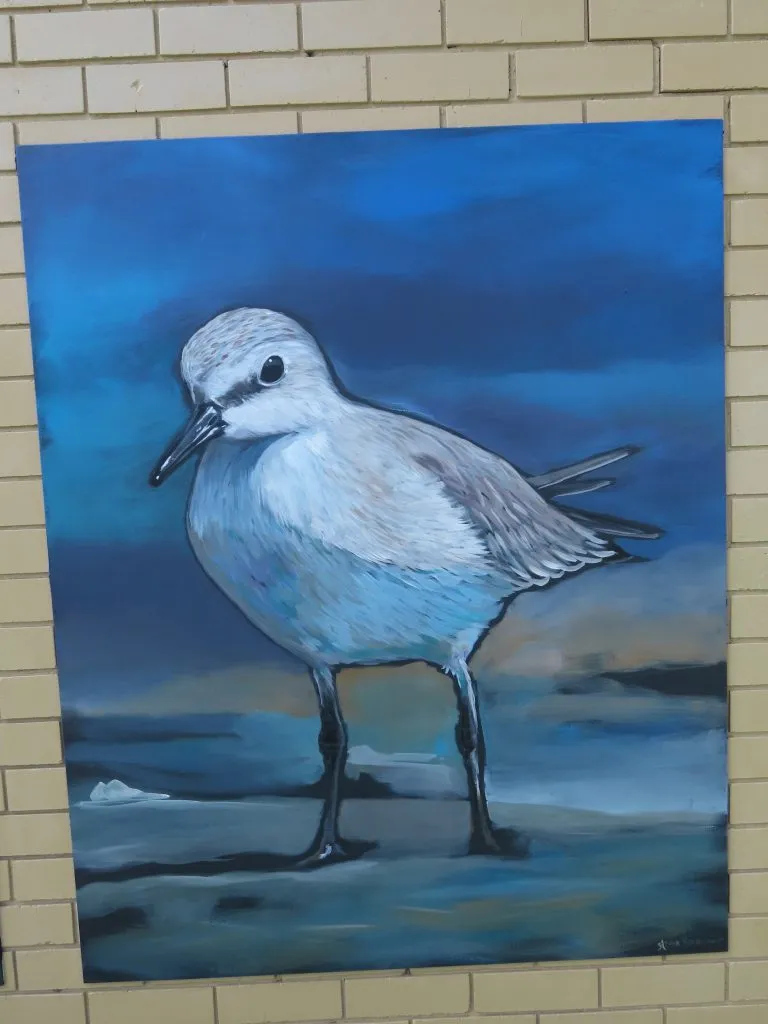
{"type": "Point", "coordinates": [271, 372]}
{"type": "Point", "coordinates": [241, 392]}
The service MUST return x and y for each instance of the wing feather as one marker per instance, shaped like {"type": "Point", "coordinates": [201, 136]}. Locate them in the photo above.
{"type": "Point", "coordinates": [528, 539]}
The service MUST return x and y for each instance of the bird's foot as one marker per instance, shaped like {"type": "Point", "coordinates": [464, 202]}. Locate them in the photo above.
{"type": "Point", "coordinates": [335, 851]}
{"type": "Point", "coordinates": [499, 842]}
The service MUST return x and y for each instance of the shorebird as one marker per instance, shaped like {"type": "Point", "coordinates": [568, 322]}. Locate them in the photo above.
{"type": "Point", "coordinates": [352, 534]}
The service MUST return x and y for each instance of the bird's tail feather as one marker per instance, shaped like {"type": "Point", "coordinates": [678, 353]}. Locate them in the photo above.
{"type": "Point", "coordinates": [569, 480]}
{"type": "Point", "coordinates": [570, 487]}
{"type": "Point", "coordinates": [547, 483]}
{"type": "Point", "coordinates": [613, 526]}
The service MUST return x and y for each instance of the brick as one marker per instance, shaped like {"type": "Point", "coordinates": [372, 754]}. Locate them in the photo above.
{"type": "Point", "coordinates": [748, 757]}
{"type": "Point", "coordinates": [15, 352]}
{"type": "Point", "coordinates": [536, 990]}
{"type": "Point", "coordinates": [10, 210]}
{"type": "Point", "coordinates": [718, 1015]}
{"type": "Point", "coordinates": [6, 4]}
{"type": "Point", "coordinates": [749, 221]}
{"type": "Point", "coordinates": [191, 1005]}
{"type": "Point", "coordinates": [603, 1017]}
{"type": "Point", "coordinates": [655, 108]}
{"type": "Point", "coordinates": [19, 456]}
{"type": "Point", "coordinates": [245, 28]}
{"type": "Point", "coordinates": [749, 17]}
{"type": "Point", "coordinates": [749, 708]}
{"type": "Point", "coordinates": [749, 892]}
{"type": "Point", "coordinates": [40, 91]}
{"type": "Point", "coordinates": [517, 112]}
{"type": "Point", "coordinates": [748, 980]}
{"type": "Point", "coordinates": [294, 80]}
{"type": "Point", "coordinates": [13, 310]}
{"type": "Point", "coordinates": [11, 250]}
{"type": "Point", "coordinates": [119, 3]}
{"type": "Point", "coordinates": [650, 19]}
{"type": "Point", "coordinates": [574, 71]}
{"type": "Point", "coordinates": [514, 21]}
{"type": "Point", "coordinates": [48, 879]}
{"type": "Point", "coordinates": [31, 924]}
{"type": "Point", "coordinates": [748, 937]}
{"type": "Point", "coordinates": [668, 984]}
{"type": "Point", "coordinates": [7, 148]}
{"type": "Point", "coordinates": [26, 647]}
{"type": "Point", "coordinates": [26, 600]}
{"type": "Point", "coordinates": [746, 169]}
{"type": "Point", "coordinates": [749, 616]}
{"type": "Point", "coordinates": [737, 64]}
{"type": "Point", "coordinates": [475, 75]}
{"type": "Point", "coordinates": [21, 503]}
{"type": "Point", "coordinates": [748, 322]}
{"type": "Point", "coordinates": [36, 789]}
{"type": "Point", "coordinates": [749, 803]}
{"type": "Point", "coordinates": [9, 973]}
{"type": "Point", "coordinates": [748, 570]}
{"type": "Point", "coordinates": [748, 847]}
{"type": "Point", "coordinates": [175, 85]}
{"type": "Point", "coordinates": [747, 373]}
{"type": "Point", "coordinates": [5, 881]}
{"type": "Point", "coordinates": [369, 24]}
{"type": "Point", "coordinates": [35, 696]}
{"type": "Point", "coordinates": [407, 996]}
{"type": "Point", "coordinates": [46, 969]}
{"type": "Point", "coordinates": [28, 743]}
{"type": "Point", "coordinates": [749, 118]}
{"type": "Point", "coordinates": [56, 1008]}
{"type": "Point", "coordinates": [747, 472]}
{"type": "Point", "coordinates": [103, 129]}
{"type": "Point", "coordinates": [278, 1001]}
{"type": "Point", "coordinates": [37, 835]}
{"type": "Point", "coordinates": [749, 422]}
{"type": "Point", "coordinates": [263, 122]}
{"type": "Point", "coordinates": [746, 272]}
{"type": "Point", "coordinates": [19, 449]}
{"type": "Point", "coordinates": [747, 664]}
{"type": "Point", "coordinates": [6, 52]}
{"type": "Point", "coordinates": [84, 35]}
{"type": "Point", "coordinates": [17, 398]}
{"type": "Point", "coordinates": [504, 1018]}
{"type": "Point", "coordinates": [364, 119]}
{"type": "Point", "coordinates": [749, 520]}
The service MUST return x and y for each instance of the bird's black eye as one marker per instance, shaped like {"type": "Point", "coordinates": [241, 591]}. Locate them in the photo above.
{"type": "Point", "coordinates": [272, 370]}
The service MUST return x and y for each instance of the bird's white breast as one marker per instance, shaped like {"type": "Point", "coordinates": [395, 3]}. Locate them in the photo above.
{"type": "Point", "coordinates": [340, 563]}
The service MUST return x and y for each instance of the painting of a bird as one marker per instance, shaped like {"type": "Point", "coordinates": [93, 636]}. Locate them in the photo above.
{"type": "Point", "coordinates": [353, 534]}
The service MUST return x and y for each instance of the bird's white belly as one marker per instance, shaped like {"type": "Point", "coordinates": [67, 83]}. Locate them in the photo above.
{"type": "Point", "coordinates": [326, 604]}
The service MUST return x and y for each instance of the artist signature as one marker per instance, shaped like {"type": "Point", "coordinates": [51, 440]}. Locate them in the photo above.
{"type": "Point", "coordinates": [671, 945]}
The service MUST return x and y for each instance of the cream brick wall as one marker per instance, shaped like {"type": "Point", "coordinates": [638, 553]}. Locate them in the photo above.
{"type": "Point", "coordinates": [132, 69]}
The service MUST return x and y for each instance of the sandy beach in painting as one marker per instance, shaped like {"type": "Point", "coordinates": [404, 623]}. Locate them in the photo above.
{"type": "Point", "coordinates": [615, 780]}
{"type": "Point", "coordinates": [169, 898]}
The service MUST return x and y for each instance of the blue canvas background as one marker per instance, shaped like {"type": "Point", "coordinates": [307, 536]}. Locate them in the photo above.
{"type": "Point", "coordinates": [548, 291]}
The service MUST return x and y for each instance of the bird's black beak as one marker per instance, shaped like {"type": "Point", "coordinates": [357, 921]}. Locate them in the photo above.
{"type": "Point", "coordinates": [206, 423]}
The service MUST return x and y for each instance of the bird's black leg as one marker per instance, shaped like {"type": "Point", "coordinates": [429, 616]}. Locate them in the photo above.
{"type": "Point", "coordinates": [327, 846]}
{"type": "Point", "coordinates": [485, 837]}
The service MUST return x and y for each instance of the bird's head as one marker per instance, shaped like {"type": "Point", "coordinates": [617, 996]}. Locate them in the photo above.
{"type": "Point", "coordinates": [251, 373]}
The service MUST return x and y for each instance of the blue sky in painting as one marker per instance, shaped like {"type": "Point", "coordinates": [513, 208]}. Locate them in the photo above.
{"type": "Point", "coordinates": [548, 291]}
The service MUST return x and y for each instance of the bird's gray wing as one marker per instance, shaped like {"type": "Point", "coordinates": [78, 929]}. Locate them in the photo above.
{"type": "Point", "coordinates": [529, 540]}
